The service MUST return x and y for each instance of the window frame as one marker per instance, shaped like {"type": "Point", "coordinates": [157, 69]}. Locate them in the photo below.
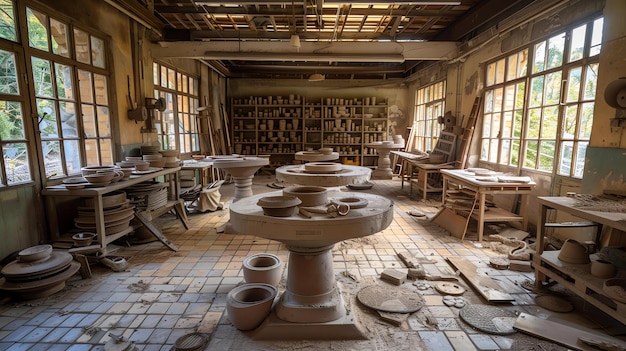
{"type": "Point", "coordinates": [430, 103]}
{"type": "Point", "coordinates": [541, 110]}
{"type": "Point", "coordinates": [180, 117]}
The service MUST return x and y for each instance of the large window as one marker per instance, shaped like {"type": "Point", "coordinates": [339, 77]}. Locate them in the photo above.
{"type": "Point", "coordinates": [539, 102]}
{"type": "Point", "coordinates": [70, 82]}
{"type": "Point", "coordinates": [430, 104]}
{"type": "Point", "coordinates": [176, 125]}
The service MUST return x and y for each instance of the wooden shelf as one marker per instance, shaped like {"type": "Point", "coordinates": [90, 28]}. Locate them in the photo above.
{"type": "Point", "coordinates": [578, 279]}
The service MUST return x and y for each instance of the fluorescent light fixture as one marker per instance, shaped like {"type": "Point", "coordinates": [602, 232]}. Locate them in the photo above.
{"type": "Point", "coordinates": [295, 40]}
{"type": "Point", "coordinates": [291, 56]}
{"type": "Point", "coordinates": [316, 77]}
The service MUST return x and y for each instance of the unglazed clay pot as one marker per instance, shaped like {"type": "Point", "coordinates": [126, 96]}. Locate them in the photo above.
{"type": "Point", "coordinates": [602, 269]}
{"type": "Point", "coordinates": [263, 268]}
{"type": "Point", "coordinates": [573, 251]}
{"type": "Point", "coordinates": [309, 195]}
{"type": "Point", "coordinates": [248, 304]}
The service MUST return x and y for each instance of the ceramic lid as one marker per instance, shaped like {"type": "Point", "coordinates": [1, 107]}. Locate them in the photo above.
{"type": "Point", "coordinates": [279, 201]}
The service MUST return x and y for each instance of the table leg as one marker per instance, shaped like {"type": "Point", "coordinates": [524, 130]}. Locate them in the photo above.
{"type": "Point", "coordinates": [543, 215]}
{"type": "Point", "coordinates": [424, 183]}
{"type": "Point", "coordinates": [481, 215]}
{"type": "Point", "coordinates": [100, 230]}
{"type": "Point", "coordinates": [444, 191]}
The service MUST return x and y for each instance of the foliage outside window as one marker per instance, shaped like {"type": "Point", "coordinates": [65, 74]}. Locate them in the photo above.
{"type": "Point", "coordinates": [70, 84]}
{"type": "Point", "coordinates": [430, 104]}
{"type": "Point", "coordinates": [176, 126]}
{"type": "Point", "coordinates": [539, 101]}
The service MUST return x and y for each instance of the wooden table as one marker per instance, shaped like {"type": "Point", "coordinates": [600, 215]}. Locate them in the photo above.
{"type": "Point", "coordinates": [425, 171]}
{"type": "Point", "coordinates": [204, 168]}
{"type": "Point", "coordinates": [467, 180]}
{"type": "Point", "coordinates": [96, 194]}
{"type": "Point", "coordinates": [576, 277]}
{"type": "Point", "coordinates": [405, 158]}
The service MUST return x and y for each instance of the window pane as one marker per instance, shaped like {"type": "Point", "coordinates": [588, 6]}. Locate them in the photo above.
{"type": "Point", "coordinates": [581, 152]}
{"type": "Point", "coordinates": [507, 125]}
{"type": "Point", "coordinates": [536, 94]}
{"type": "Point", "coordinates": [534, 122]}
{"type": "Point", "coordinates": [81, 46]}
{"type": "Point", "coordinates": [487, 125]}
{"type": "Point", "coordinates": [69, 122]}
{"type": "Point", "coordinates": [16, 164]}
{"type": "Point", "coordinates": [7, 21]}
{"type": "Point", "coordinates": [531, 154]}
{"type": "Point", "coordinates": [89, 121]}
{"type": "Point", "coordinates": [550, 122]}
{"type": "Point", "coordinates": [521, 93]}
{"type": "Point", "coordinates": [11, 121]}
{"type": "Point", "coordinates": [47, 118]}
{"type": "Point", "coordinates": [495, 125]}
{"type": "Point", "coordinates": [553, 88]}
{"type": "Point", "coordinates": [586, 120]}
{"type": "Point", "coordinates": [505, 151]}
{"type": "Point", "coordinates": [65, 88]}
{"type": "Point", "coordinates": [43, 77]}
{"type": "Point", "coordinates": [8, 74]}
{"type": "Point", "coordinates": [164, 77]}
{"type": "Point", "coordinates": [72, 156]}
{"type": "Point", "coordinates": [556, 50]}
{"type": "Point", "coordinates": [573, 84]}
{"type": "Point", "coordinates": [540, 57]}
{"type": "Point", "coordinates": [91, 152]}
{"type": "Point", "coordinates": [569, 122]}
{"type": "Point", "coordinates": [517, 128]}
{"type": "Point", "coordinates": [546, 156]}
{"type": "Point", "coordinates": [97, 52]}
{"type": "Point", "coordinates": [484, 150]}
{"type": "Point", "coordinates": [37, 31]}
{"type": "Point", "coordinates": [105, 150]}
{"type": "Point", "coordinates": [84, 83]}
{"type": "Point", "coordinates": [59, 35]}
{"type": "Point", "coordinates": [500, 67]}
{"type": "Point", "coordinates": [104, 125]}
{"type": "Point", "coordinates": [493, 153]}
{"type": "Point", "coordinates": [577, 45]}
{"type": "Point", "coordinates": [596, 37]}
{"type": "Point", "coordinates": [52, 158]}
{"type": "Point", "coordinates": [591, 80]}
{"type": "Point", "coordinates": [515, 150]}
{"type": "Point", "coordinates": [100, 84]}
{"type": "Point", "coordinates": [155, 73]}
{"type": "Point", "coordinates": [171, 78]}
{"type": "Point", "coordinates": [565, 162]}
{"type": "Point", "coordinates": [179, 81]}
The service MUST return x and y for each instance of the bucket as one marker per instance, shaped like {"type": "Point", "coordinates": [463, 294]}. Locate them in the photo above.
{"type": "Point", "coordinates": [249, 304]}
{"type": "Point", "coordinates": [263, 268]}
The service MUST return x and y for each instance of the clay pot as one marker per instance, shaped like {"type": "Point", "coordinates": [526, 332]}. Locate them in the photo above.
{"type": "Point", "coordinates": [309, 195]}
{"type": "Point", "coordinates": [83, 239]}
{"type": "Point", "coordinates": [602, 269]}
{"type": "Point", "coordinates": [573, 251]}
{"type": "Point", "coordinates": [249, 304]}
{"type": "Point", "coordinates": [262, 268]}
{"type": "Point", "coordinates": [279, 206]}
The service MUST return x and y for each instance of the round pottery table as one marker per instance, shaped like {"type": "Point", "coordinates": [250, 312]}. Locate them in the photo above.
{"type": "Point", "coordinates": [383, 169]}
{"type": "Point", "coordinates": [297, 174]}
{"type": "Point", "coordinates": [242, 169]}
{"type": "Point", "coordinates": [311, 306]}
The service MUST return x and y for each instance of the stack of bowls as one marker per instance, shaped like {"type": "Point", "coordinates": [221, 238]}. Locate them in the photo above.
{"type": "Point", "coordinates": [170, 157]}
{"type": "Point", "coordinates": [156, 160]}
{"type": "Point", "coordinates": [117, 210]}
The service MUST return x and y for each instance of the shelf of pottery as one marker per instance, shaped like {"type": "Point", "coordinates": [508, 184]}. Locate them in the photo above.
{"type": "Point", "coordinates": [283, 125]}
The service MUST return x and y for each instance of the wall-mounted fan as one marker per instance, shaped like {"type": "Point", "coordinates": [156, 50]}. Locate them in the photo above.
{"type": "Point", "coordinates": [155, 104]}
{"type": "Point", "coordinates": [615, 96]}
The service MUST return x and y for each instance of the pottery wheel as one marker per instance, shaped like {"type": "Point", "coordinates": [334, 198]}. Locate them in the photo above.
{"type": "Point", "coordinates": [390, 299]}
{"type": "Point", "coordinates": [554, 303]}
{"type": "Point", "coordinates": [489, 319]}
{"type": "Point", "coordinates": [49, 264]}
{"type": "Point", "coordinates": [449, 288]}
{"type": "Point", "coordinates": [35, 287]}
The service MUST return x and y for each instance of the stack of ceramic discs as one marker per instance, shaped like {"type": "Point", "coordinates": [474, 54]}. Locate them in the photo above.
{"type": "Point", "coordinates": [117, 210]}
{"type": "Point", "coordinates": [38, 272]}
{"type": "Point", "coordinates": [148, 195]}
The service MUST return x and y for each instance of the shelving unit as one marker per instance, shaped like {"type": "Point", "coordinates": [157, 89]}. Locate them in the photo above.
{"type": "Point", "coordinates": [283, 125]}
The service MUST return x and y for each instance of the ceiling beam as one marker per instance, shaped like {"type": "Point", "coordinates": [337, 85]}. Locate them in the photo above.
{"type": "Point", "coordinates": [309, 51]}
{"type": "Point", "coordinates": [312, 35]}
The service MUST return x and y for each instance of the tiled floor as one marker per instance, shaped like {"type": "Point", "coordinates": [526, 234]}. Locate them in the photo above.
{"type": "Point", "coordinates": [164, 294]}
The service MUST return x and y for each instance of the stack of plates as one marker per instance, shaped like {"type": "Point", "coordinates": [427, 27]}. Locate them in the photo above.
{"type": "Point", "coordinates": [117, 210]}
{"type": "Point", "coordinates": [148, 195]}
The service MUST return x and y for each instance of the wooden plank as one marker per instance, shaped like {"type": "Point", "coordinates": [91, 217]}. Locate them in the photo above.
{"type": "Point", "coordinates": [562, 334]}
{"type": "Point", "coordinates": [141, 216]}
{"type": "Point", "coordinates": [484, 285]}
